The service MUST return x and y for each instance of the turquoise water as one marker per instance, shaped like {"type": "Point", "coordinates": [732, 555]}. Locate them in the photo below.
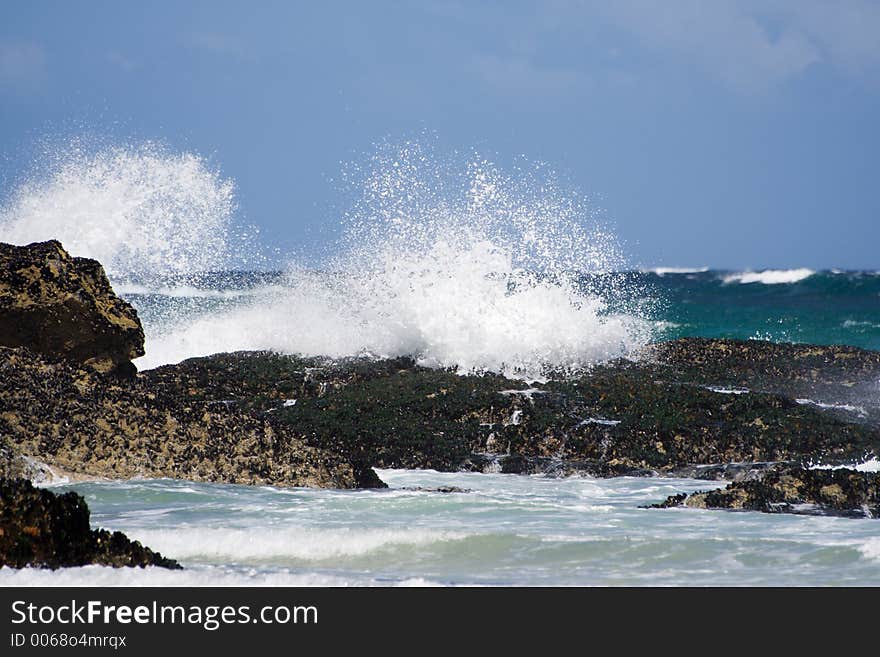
{"type": "Point", "coordinates": [509, 530]}
{"type": "Point", "coordinates": [822, 308]}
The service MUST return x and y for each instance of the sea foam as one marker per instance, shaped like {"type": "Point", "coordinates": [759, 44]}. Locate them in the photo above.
{"type": "Point", "coordinates": [193, 575]}
{"type": "Point", "coordinates": [285, 544]}
{"type": "Point", "coordinates": [663, 271]}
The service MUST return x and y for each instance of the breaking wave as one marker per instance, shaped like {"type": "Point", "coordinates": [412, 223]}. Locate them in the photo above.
{"type": "Point", "coordinates": [663, 271]}
{"type": "Point", "coordinates": [770, 276]}
{"type": "Point", "coordinates": [447, 259]}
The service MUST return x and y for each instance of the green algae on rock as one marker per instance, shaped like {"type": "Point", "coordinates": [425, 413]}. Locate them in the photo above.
{"type": "Point", "coordinates": [265, 418]}
{"type": "Point", "coordinates": [622, 417]}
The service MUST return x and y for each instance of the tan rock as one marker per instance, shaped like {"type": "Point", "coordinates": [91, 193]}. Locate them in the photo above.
{"type": "Point", "coordinates": [64, 307]}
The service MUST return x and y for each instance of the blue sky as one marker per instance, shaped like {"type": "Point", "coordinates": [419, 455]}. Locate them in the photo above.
{"type": "Point", "coordinates": [731, 134]}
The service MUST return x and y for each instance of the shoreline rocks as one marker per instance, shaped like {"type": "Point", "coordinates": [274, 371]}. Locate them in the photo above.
{"type": "Point", "coordinates": [232, 418]}
{"type": "Point", "coordinates": [621, 418]}
{"type": "Point", "coordinates": [789, 489]}
{"type": "Point", "coordinates": [74, 420]}
{"type": "Point", "coordinates": [41, 529]}
{"type": "Point", "coordinates": [62, 332]}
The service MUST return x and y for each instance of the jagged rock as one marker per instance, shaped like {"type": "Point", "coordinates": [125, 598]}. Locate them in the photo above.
{"type": "Point", "coordinates": [40, 528]}
{"type": "Point", "coordinates": [60, 323]}
{"type": "Point", "coordinates": [64, 307]}
{"type": "Point", "coordinates": [14, 464]}
{"type": "Point", "coordinates": [793, 490]}
{"type": "Point", "coordinates": [263, 418]}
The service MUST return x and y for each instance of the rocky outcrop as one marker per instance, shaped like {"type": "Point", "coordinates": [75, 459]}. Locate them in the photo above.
{"type": "Point", "coordinates": [64, 307]}
{"type": "Point", "coordinates": [262, 418]}
{"type": "Point", "coordinates": [76, 422]}
{"type": "Point", "coordinates": [844, 380]}
{"type": "Point", "coordinates": [62, 329]}
{"type": "Point", "coordinates": [40, 528]}
{"type": "Point", "coordinates": [793, 490]}
{"type": "Point", "coordinates": [620, 418]}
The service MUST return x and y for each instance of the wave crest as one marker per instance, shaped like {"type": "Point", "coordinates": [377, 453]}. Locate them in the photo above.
{"type": "Point", "coordinates": [447, 259]}
{"type": "Point", "coordinates": [770, 276]}
{"type": "Point", "coordinates": [460, 266]}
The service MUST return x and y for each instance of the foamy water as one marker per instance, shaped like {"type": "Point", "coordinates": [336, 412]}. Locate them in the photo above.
{"type": "Point", "coordinates": [140, 210]}
{"type": "Point", "coordinates": [770, 276]}
{"type": "Point", "coordinates": [870, 465]}
{"type": "Point", "coordinates": [509, 530]}
{"type": "Point", "coordinates": [663, 271]}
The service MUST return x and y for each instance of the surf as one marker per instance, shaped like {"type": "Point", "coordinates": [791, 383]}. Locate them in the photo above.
{"type": "Point", "coordinates": [449, 259]}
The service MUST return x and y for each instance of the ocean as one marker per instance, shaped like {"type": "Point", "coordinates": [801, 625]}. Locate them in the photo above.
{"type": "Point", "coordinates": [509, 530]}
{"type": "Point", "coordinates": [798, 305]}
{"type": "Point", "coordinates": [479, 270]}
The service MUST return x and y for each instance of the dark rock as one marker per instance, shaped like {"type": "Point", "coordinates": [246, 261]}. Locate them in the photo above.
{"type": "Point", "coordinates": [64, 307]}
{"type": "Point", "coordinates": [263, 418]}
{"type": "Point", "coordinates": [40, 528]}
{"type": "Point", "coordinates": [519, 464]}
{"type": "Point", "coordinates": [847, 377]}
{"type": "Point", "coordinates": [60, 322]}
{"type": "Point", "coordinates": [666, 426]}
{"type": "Point", "coordinates": [620, 418]}
{"type": "Point", "coordinates": [788, 489]}
{"type": "Point", "coordinates": [670, 502]}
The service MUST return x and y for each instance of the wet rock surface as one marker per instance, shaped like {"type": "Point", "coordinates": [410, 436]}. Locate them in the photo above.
{"type": "Point", "coordinates": [840, 380]}
{"type": "Point", "coordinates": [263, 418]}
{"type": "Point", "coordinates": [40, 528]}
{"type": "Point", "coordinates": [64, 307]}
{"type": "Point", "coordinates": [621, 418]}
{"type": "Point", "coordinates": [63, 331]}
{"type": "Point", "coordinates": [790, 489]}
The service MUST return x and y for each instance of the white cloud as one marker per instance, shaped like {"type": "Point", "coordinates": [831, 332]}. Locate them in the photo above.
{"type": "Point", "coordinates": [722, 38]}
{"type": "Point", "coordinates": [752, 45]}
{"type": "Point", "coordinates": [848, 32]}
